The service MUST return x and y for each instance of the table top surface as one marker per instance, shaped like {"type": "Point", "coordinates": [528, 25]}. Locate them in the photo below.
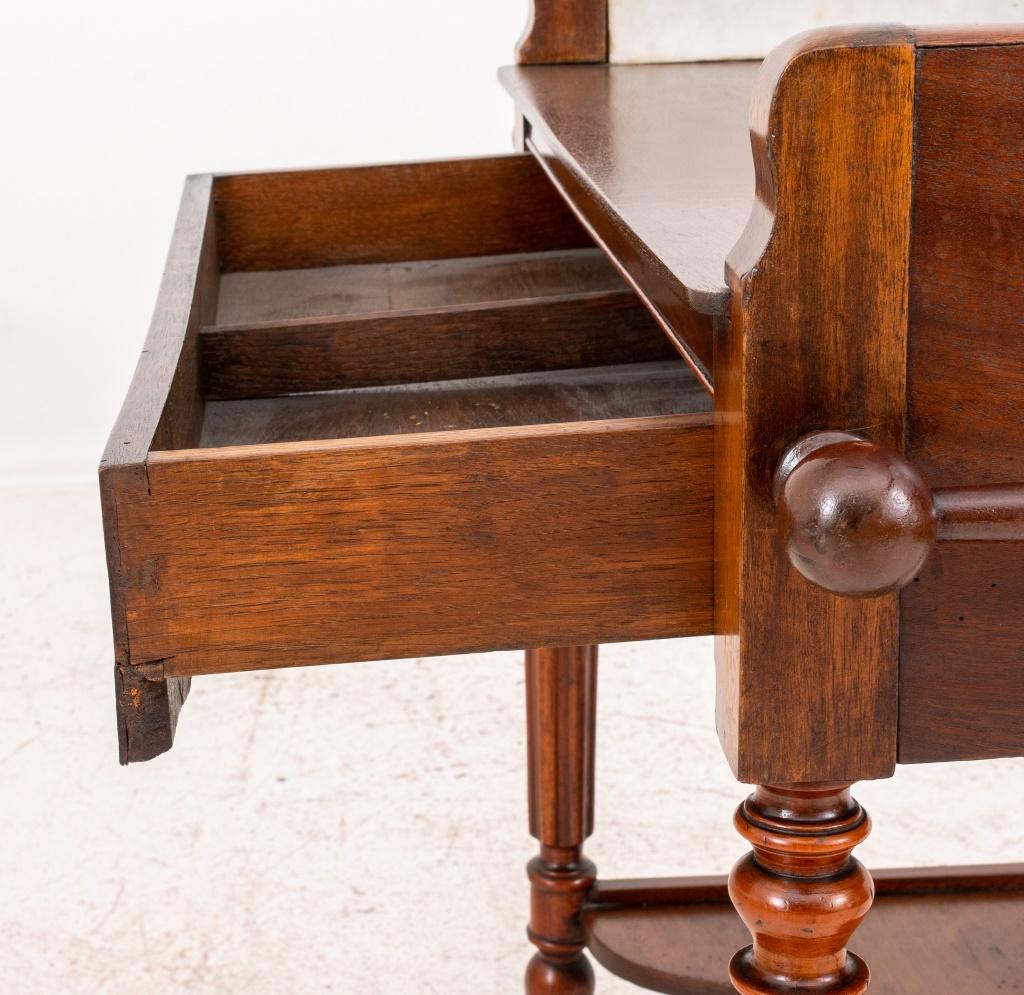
{"type": "Point", "coordinates": [665, 152]}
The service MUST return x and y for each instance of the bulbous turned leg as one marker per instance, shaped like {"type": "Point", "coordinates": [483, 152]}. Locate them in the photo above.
{"type": "Point", "coordinates": [800, 892]}
{"type": "Point", "coordinates": [561, 689]}
{"type": "Point", "coordinates": [559, 881]}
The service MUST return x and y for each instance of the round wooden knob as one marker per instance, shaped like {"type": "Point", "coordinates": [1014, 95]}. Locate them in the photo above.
{"type": "Point", "coordinates": [855, 518]}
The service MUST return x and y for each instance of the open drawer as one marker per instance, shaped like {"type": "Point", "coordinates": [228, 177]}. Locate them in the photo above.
{"type": "Point", "coordinates": [395, 411]}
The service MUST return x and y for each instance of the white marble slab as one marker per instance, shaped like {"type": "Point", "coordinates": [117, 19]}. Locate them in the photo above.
{"type": "Point", "coordinates": [697, 30]}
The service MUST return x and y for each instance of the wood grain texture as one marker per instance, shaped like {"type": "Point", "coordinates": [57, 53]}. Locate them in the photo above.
{"type": "Point", "coordinates": [631, 391]}
{"type": "Point", "coordinates": [807, 679]}
{"type": "Point", "coordinates": [800, 892]}
{"type": "Point", "coordinates": [449, 542]}
{"type": "Point", "coordinates": [962, 629]}
{"type": "Point", "coordinates": [656, 162]}
{"type": "Point", "coordinates": [565, 31]}
{"type": "Point", "coordinates": [676, 935]}
{"type": "Point", "coordinates": [455, 342]}
{"type": "Point", "coordinates": [163, 407]}
{"type": "Point", "coordinates": [561, 719]}
{"type": "Point", "coordinates": [389, 213]}
{"type": "Point", "coordinates": [968, 35]}
{"type": "Point", "coordinates": [373, 288]}
{"type": "Point", "coordinates": [460, 318]}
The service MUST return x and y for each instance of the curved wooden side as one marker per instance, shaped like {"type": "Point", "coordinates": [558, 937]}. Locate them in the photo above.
{"type": "Point", "coordinates": [817, 342]}
{"type": "Point", "coordinates": [163, 409]}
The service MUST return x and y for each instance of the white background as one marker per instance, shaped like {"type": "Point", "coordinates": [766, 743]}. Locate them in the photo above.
{"type": "Point", "coordinates": [108, 104]}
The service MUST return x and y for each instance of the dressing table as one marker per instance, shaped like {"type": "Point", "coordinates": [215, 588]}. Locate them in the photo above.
{"type": "Point", "coordinates": [729, 348]}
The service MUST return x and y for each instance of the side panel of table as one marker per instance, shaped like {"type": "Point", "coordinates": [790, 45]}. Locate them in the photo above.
{"type": "Point", "coordinates": [962, 625]}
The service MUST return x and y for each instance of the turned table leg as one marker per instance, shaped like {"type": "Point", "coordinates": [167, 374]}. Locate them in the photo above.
{"type": "Point", "coordinates": [561, 691]}
{"type": "Point", "coordinates": [800, 892]}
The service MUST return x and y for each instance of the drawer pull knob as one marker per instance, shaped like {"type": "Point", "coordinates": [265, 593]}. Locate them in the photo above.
{"type": "Point", "coordinates": [858, 519]}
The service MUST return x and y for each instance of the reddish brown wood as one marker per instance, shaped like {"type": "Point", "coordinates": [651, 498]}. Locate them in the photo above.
{"type": "Point", "coordinates": [800, 892]}
{"type": "Point", "coordinates": [561, 691]}
{"type": "Point", "coordinates": [806, 679]}
{"type": "Point", "coordinates": [411, 236]}
{"type": "Point", "coordinates": [858, 519]}
{"type": "Point", "coordinates": [565, 31]}
{"type": "Point", "coordinates": [432, 543]}
{"type": "Point", "coordinates": [391, 213]}
{"type": "Point", "coordinates": [566, 332]}
{"type": "Point", "coordinates": [854, 518]}
{"type": "Point", "coordinates": [973, 35]}
{"type": "Point", "coordinates": [163, 407]}
{"type": "Point", "coordinates": [621, 143]}
{"type": "Point", "coordinates": [990, 514]}
{"type": "Point", "coordinates": [676, 935]}
{"type": "Point", "coordinates": [961, 624]}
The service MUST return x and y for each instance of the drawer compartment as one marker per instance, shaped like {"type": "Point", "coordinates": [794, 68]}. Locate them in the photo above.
{"type": "Point", "coordinates": [397, 411]}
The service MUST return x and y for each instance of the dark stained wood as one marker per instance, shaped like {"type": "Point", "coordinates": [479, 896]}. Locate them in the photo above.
{"type": "Point", "coordinates": [268, 296]}
{"type": "Point", "coordinates": [656, 162]}
{"type": "Point", "coordinates": [854, 518]}
{"type": "Point", "coordinates": [857, 519]}
{"type": "Point", "coordinates": [800, 892]}
{"type": "Point", "coordinates": [300, 553]}
{"type": "Point", "coordinates": [452, 342]}
{"type": "Point", "coordinates": [636, 390]}
{"type": "Point", "coordinates": [461, 318]}
{"type": "Point", "coordinates": [806, 687]}
{"type": "Point", "coordinates": [676, 935]}
{"type": "Point", "coordinates": [962, 628]}
{"type": "Point", "coordinates": [991, 514]}
{"type": "Point", "coordinates": [163, 407]}
{"type": "Point", "coordinates": [561, 714]}
{"type": "Point", "coordinates": [391, 213]}
{"type": "Point", "coordinates": [565, 31]}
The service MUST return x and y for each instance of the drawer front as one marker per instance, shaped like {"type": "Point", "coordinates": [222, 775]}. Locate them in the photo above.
{"type": "Point", "coordinates": [394, 411]}
{"type": "Point", "coordinates": [415, 545]}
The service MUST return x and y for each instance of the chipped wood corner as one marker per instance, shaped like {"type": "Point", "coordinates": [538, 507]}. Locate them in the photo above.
{"type": "Point", "coordinates": [148, 705]}
{"type": "Point", "coordinates": [147, 701]}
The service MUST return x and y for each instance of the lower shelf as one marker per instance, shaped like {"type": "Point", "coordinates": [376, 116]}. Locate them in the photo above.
{"type": "Point", "coordinates": [931, 931]}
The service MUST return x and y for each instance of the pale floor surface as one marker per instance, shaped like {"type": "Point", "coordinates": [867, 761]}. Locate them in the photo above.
{"type": "Point", "coordinates": [353, 829]}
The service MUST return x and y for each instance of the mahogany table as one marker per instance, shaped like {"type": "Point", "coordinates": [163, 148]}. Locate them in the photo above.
{"type": "Point", "coordinates": [659, 373]}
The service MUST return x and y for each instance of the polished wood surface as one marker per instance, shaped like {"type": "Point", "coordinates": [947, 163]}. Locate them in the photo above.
{"type": "Point", "coordinates": [857, 519]}
{"type": "Point", "coordinates": [656, 161]}
{"type": "Point", "coordinates": [565, 31]}
{"type": "Point", "coordinates": [799, 891]}
{"type": "Point", "coordinates": [817, 340]}
{"type": "Point", "coordinates": [930, 930]}
{"type": "Point", "coordinates": [962, 628]}
{"type": "Point", "coordinates": [561, 720]}
{"type": "Point", "coordinates": [854, 518]}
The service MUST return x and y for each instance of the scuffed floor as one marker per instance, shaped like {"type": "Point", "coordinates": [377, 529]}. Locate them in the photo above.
{"type": "Point", "coordinates": [353, 829]}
